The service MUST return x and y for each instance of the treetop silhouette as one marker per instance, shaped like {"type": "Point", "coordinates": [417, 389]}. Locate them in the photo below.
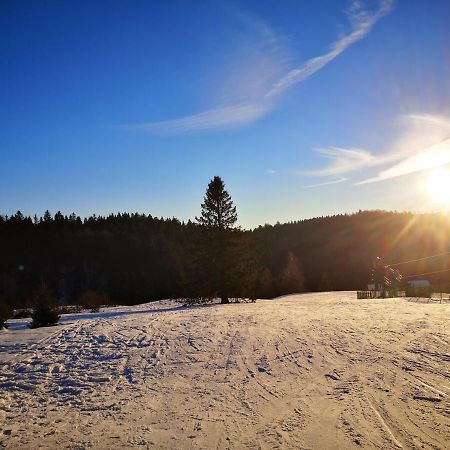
{"type": "Point", "coordinates": [218, 210]}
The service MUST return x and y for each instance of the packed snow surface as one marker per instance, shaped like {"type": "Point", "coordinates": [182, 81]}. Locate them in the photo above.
{"type": "Point", "coordinates": [312, 371]}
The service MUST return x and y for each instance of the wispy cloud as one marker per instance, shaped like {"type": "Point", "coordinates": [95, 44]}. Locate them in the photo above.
{"type": "Point", "coordinates": [422, 143]}
{"type": "Point", "coordinates": [362, 21]}
{"type": "Point", "coordinates": [326, 183]}
{"type": "Point", "coordinates": [255, 106]}
{"type": "Point", "coordinates": [343, 160]}
{"type": "Point", "coordinates": [430, 158]}
{"type": "Point", "coordinates": [211, 119]}
{"type": "Point", "coordinates": [260, 56]}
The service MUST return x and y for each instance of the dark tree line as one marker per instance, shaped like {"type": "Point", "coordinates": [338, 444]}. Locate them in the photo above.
{"type": "Point", "coordinates": [132, 258]}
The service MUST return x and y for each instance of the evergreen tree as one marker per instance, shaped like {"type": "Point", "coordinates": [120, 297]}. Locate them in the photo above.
{"type": "Point", "coordinates": [47, 217]}
{"type": "Point", "coordinates": [218, 210]}
{"type": "Point", "coordinates": [292, 278]}
{"type": "Point", "coordinates": [45, 311]}
{"type": "Point", "coordinates": [267, 285]}
{"type": "Point", "coordinates": [325, 283]}
{"type": "Point", "coordinates": [217, 251]}
{"type": "Point", "coordinates": [5, 313]}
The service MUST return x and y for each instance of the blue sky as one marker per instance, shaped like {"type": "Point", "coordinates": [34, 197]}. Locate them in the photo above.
{"type": "Point", "coordinates": [304, 108]}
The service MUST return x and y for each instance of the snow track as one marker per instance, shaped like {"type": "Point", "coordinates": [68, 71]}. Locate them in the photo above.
{"type": "Point", "coordinates": [301, 372]}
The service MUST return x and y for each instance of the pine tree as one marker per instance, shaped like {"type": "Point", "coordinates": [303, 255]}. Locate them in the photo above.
{"type": "Point", "coordinates": [218, 210]}
{"type": "Point", "coordinates": [5, 313]}
{"type": "Point", "coordinates": [325, 283]}
{"type": "Point", "coordinates": [47, 217]}
{"type": "Point", "coordinates": [45, 311]}
{"type": "Point", "coordinates": [292, 278]}
{"type": "Point", "coordinates": [218, 243]}
{"type": "Point", "coordinates": [267, 285]}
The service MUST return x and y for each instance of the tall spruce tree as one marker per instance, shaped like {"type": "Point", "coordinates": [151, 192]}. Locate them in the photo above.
{"type": "Point", "coordinates": [218, 242]}
{"type": "Point", "coordinates": [218, 210]}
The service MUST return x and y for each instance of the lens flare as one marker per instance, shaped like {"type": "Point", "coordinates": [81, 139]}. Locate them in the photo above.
{"type": "Point", "coordinates": [438, 186]}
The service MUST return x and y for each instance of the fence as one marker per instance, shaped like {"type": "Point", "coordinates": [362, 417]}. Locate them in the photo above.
{"type": "Point", "coordinates": [435, 292]}
{"type": "Point", "coordinates": [380, 294]}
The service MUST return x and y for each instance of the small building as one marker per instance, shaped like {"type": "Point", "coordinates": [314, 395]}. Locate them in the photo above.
{"type": "Point", "coordinates": [419, 283]}
{"type": "Point", "coordinates": [418, 288]}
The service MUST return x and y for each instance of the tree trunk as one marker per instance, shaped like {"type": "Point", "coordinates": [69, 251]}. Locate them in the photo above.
{"type": "Point", "coordinates": [224, 299]}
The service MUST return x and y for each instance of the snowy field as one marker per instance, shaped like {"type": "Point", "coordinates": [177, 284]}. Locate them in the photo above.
{"type": "Point", "coordinates": [312, 371]}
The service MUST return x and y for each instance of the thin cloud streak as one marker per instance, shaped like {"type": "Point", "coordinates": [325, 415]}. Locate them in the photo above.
{"type": "Point", "coordinates": [213, 118]}
{"type": "Point", "coordinates": [363, 23]}
{"type": "Point", "coordinates": [260, 59]}
{"type": "Point", "coordinates": [423, 143]}
{"type": "Point", "coordinates": [436, 156]}
{"type": "Point", "coordinates": [326, 183]}
{"type": "Point", "coordinates": [343, 160]}
{"type": "Point", "coordinates": [247, 112]}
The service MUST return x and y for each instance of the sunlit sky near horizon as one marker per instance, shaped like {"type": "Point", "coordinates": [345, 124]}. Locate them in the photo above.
{"type": "Point", "coordinates": [303, 108]}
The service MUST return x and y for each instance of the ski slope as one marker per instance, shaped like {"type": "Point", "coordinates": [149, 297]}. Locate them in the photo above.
{"type": "Point", "coordinates": [311, 371]}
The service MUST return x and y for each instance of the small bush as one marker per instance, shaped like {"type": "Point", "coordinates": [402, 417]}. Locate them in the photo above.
{"type": "Point", "coordinates": [76, 309]}
{"type": "Point", "coordinates": [21, 314]}
{"type": "Point", "coordinates": [46, 311]}
{"type": "Point", "coordinates": [5, 314]}
{"type": "Point", "coordinates": [196, 301]}
{"type": "Point", "coordinates": [112, 303]}
{"type": "Point", "coordinates": [92, 300]}
{"type": "Point", "coordinates": [70, 309]}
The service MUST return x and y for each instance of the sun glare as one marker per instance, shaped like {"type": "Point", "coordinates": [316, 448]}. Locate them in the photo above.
{"type": "Point", "coordinates": [438, 186]}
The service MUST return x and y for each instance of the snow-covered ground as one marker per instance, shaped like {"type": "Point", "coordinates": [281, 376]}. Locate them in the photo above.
{"type": "Point", "coordinates": [304, 371]}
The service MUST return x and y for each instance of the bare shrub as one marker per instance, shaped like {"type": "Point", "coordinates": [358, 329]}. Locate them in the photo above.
{"type": "Point", "coordinates": [92, 300]}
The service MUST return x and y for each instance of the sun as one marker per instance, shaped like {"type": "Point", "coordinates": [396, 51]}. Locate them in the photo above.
{"type": "Point", "coordinates": [438, 186]}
